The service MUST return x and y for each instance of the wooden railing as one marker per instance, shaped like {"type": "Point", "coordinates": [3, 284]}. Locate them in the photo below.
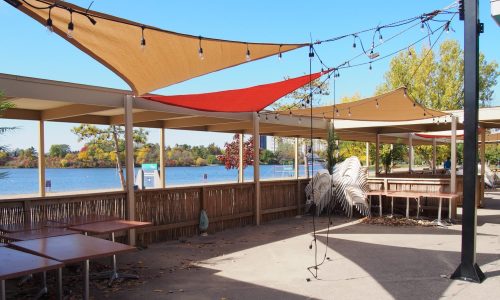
{"type": "Point", "coordinates": [174, 212]}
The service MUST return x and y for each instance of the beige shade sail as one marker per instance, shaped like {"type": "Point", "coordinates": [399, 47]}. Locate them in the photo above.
{"type": "Point", "coordinates": [394, 106]}
{"type": "Point", "coordinates": [167, 58]}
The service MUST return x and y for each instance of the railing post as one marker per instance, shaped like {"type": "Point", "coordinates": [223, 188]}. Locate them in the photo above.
{"type": "Point", "coordinates": [377, 154]}
{"type": "Point", "coordinates": [241, 174]}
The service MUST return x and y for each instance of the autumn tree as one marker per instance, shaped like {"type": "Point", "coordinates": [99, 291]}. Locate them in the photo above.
{"type": "Point", "coordinates": [231, 156]}
{"type": "Point", "coordinates": [112, 138]}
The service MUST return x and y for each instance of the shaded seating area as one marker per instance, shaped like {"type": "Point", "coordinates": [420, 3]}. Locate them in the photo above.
{"type": "Point", "coordinates": [39, 247]}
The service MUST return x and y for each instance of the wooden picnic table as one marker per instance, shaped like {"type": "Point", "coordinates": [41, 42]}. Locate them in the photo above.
{"type": "Point", "coordinates": [416, 195]}
{"type": "Point", "coordinates": [17, 263]}
{"type": "Point", "coordinates": [37, 234]}
{"type": "Point", "coordinates": [111, 227]}
{"type": "Point", "coordinates": [73, 248]}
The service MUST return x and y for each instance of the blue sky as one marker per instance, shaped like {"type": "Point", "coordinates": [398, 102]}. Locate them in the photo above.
{"type": "Point", "coordinates": [29, 50]}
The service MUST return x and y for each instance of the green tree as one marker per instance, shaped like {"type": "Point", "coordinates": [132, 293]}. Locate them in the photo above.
{"type": "Point", "coordinates": [59, 150]}
{"type": "Point", "coordinates": [101, 140]}
{"type": "Point", "coordinates": [437, 82]}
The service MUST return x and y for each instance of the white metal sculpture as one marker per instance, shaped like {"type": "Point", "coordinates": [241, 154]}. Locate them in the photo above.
{"type": "Point", "coordinates": [347, 186]}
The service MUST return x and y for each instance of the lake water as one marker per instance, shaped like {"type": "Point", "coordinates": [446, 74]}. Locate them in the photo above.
{"type": "Point", "coordinates": [25, 181]}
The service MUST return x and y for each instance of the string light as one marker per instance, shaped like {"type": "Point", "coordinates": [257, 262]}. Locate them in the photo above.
{"type": "Point", "coordinates": [354, 42]}
{"type": "Point", "coordinates": [200, 50]}
{"type": "Point", "coordinates": [49, 22]}
{"type": "Point", "coordinates": [324, 118]}
{"type": "Point", "coordinates": [300, 120]}
{"type": "Point", "coordinates": [370, 68]}
{"type": "Point", "coordinates": [247, 57]}
{"type": "Point", "coordinates": [409, 52]}
{"type": "Point", "coordinates": [71, 26]}
{"type": "Point", "coordinates": [349, 113]}
{"type": "Point", "coordinates": [422, 26]}
{"type": "Point", "coordinates": [376, 104]}
{"type": "Point", "coordinates": [438, 121]}
{"type": "Point", "coordinates": [380, 38]}
{"type": "Point", "coordinates": [267, 117]}
{"type": "Point", "coordinates": [276, 117]}
{"type": "Point", "coordinates": [280, 55]}
{"type": "Point", "coordinates": [143, 40]}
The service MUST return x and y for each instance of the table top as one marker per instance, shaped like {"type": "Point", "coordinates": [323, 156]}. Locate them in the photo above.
{"type": "Point", "coordinates": [80, 220]}
{"type": "Point", "coordinates": [110, 226]}
{"type": "Point", "coordinates": [72, 248]}
{"type": "Point", "coordinates": [37, 234]}
{"type": "Point", "coordinates": [17, 263]}
{"type": "Point", "coordinates": [17, 227]}
{"type": "Point", "coordinates": [415, 194]}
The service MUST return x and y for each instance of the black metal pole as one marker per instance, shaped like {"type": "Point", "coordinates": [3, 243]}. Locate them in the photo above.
{"type": "Point", "coordinates": [468, 269]}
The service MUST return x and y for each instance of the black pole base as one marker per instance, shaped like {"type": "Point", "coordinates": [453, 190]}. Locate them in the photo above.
{"type": "Point", "coordinates": [469, 272]}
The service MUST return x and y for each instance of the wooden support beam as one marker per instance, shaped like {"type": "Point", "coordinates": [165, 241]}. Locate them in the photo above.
{"type": "Point", "coordinates": [41, 158]}
{"type": "Point", "coordinates": [72, 110]}
{"type": "Point", "coordinates": [434, 156]}
{"type": "Point", "coordinates": [129, 163]}
{"type": "Point", "coordinates": [410, 152]}
{"type": "Point", "coordinates": [22, 114]}
{"type": "Point", "coordinates": [194, 121]}
{"type": "Point", "coordinates": [377, 153]}
{"type": "Point", "coordinates": [144, 116]}
{"type": "Point", "coordinates": [483, 165]}
{"type": "Point", "coordinates": [453, 179]}
{"type": "Point", "coordinates": [241, 174]}
{"type": "Point", "coordinates": [162, 158]}
{"type": "Point", "coordinates": [256, 167]}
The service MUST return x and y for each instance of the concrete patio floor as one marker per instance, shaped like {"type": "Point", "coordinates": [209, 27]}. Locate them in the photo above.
{"type": "Point", "coordinates": [270, 262]}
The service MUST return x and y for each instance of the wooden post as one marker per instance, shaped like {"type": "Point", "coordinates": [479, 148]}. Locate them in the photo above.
{"type": "Point", "coordinates": [453, 180]}
{"type": "Point", "coordinates": [162, 158]}
{"type": "Point", "coordinates": [367, 154]}
{"type": "Point", "coordinates": [129, 162]}
{"type": "Point", "coordinates": [410, 152]}
{"type": "Point", "coordinates": [296, 159]}
{"type": "Point", "coordinates": [377, 154]}
{"type": "Point", "coordinates": [41, 158]}
{"type": "Point", "coordinates": [296, 175]}
{"type": "Point", "coordinates": [434, 156]}
{"type": "Point", "coordinates": [256, 167]}
{"type": "Point", "coordinates": [483, 166]}
{"type": "Point", "coordinates": [241, 174]}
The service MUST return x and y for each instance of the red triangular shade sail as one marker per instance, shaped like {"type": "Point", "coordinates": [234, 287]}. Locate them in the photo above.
{"type": "Point", "coordinates": [251, 99]}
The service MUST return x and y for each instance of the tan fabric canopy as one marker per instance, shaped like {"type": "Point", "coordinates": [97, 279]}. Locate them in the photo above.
{"type": "Point", "coordinates": [392, 106]}
{"type": "Point", "coordinates": [167, 58]}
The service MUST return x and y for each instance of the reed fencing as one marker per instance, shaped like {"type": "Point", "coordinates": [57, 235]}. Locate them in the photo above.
{"type": "Point", "coordinates": [174, 212]}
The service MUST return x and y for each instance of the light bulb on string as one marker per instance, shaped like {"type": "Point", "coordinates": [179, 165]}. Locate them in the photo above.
{"type": "Point", "coordinates": [71, 26]}
{"type": "Point", "coordinates": [300, 120]}
{"type": "Point", "coordinates": [143, 40]}
{"type": "Point", "coordinates": [422, 27]}
{"type": "Point", "coordinates": [324, 118]}
{"type": "Point", "coordinates": [48, 24]}
{"type": "Point", "coordinates": [349, 113]}
{"type": "Point", "coordinates": [337, 112]}
{"type": "Point", "coordinates": [376, 104]}
{"type": "Point", "coordinates": [200, 50]}
{"type": "Point", "coordinates": [276, 117]}
{"type": "Point", "coordinates": [247, 56]}
{"type": "Point", "coordinates": [409, 52]}
{"type": "Point", "coordinates": [437, 122]}
{"type": "Point", "coordinates": [280, 55]}
{"type": "Point", "coordinates": [380, 38]}
{"type": "Point", "coordinates": [354, 42]}
{"type": "Point", "coordinates": [370, 68]}
{"type": "Point", "coordinates": [267, 117]}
